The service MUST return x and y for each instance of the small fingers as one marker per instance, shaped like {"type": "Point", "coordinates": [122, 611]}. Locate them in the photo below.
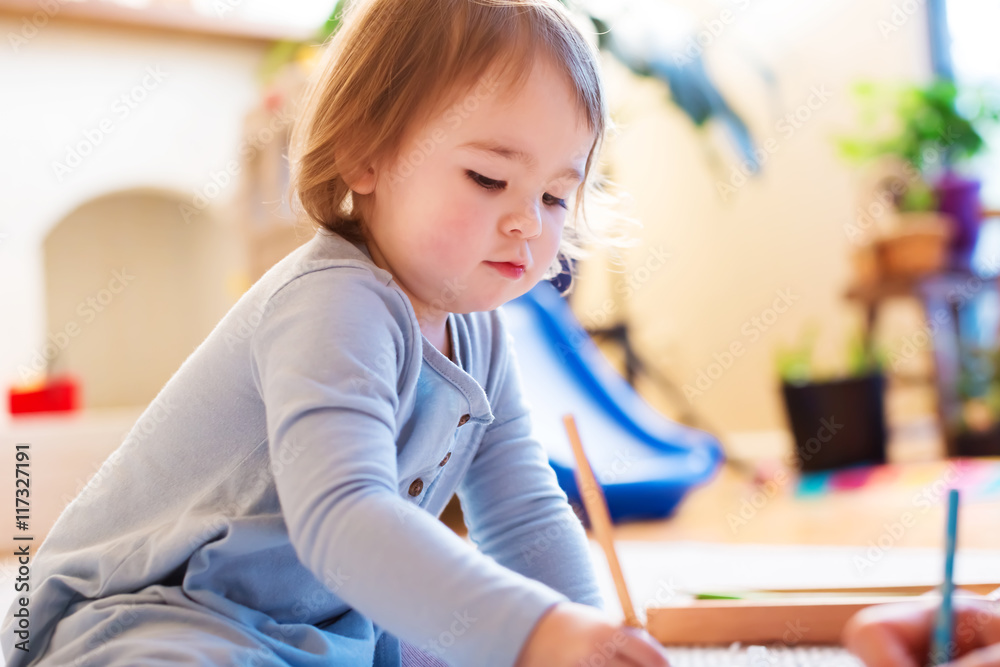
{"type": "Point", "coordinates": [641, 649]}
{"type": "Point", "coordinates": [878, 645]}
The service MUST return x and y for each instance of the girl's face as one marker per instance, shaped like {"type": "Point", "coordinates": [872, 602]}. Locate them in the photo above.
{"type": "Point", "coordinates": [485, 183]}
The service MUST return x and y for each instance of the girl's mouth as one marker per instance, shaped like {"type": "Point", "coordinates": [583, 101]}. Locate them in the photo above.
{"type": "Point", "coordinates": [508, 270]}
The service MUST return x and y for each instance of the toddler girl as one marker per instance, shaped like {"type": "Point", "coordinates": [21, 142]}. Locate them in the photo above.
{"type": "Point", "coordinates": [277, 503]}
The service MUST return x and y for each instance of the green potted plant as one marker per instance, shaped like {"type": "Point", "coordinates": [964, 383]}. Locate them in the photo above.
{"type": "Point", "coordinates": [837, 419]}
{"type": "Point", "coordinates": [928, 130]}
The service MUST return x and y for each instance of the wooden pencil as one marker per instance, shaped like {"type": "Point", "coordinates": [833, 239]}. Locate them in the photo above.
{"type": "Point", "coordinates": [600, 519]}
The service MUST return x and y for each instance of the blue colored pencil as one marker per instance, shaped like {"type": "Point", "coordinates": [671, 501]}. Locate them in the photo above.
{"type": "Point", "coordinates": [944, 622]}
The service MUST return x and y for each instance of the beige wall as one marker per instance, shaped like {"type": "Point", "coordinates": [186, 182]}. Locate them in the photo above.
{"type": "Point", "coordinates": [729, 257]}
{"type": "Point", "coordinates": [131, 289]}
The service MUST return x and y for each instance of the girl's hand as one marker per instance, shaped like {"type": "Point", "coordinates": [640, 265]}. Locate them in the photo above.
{"type": "Point", "coordinates": [899, 634]}
{"type": "Point", "coordinates": [575, 635]}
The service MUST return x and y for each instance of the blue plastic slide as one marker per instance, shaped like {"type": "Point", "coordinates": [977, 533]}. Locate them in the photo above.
{"type": "Point", "coordinates": [645, 462]}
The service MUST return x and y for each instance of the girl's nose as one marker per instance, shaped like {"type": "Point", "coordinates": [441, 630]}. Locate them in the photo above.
{"type": "Point", "coordinates": [526, 223]}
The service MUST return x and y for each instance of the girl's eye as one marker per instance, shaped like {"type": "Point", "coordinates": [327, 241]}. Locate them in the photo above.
{"type": "Point", "coordinates": [487, 183]}
{"type": "Point", "coordinates": [491, 184]}
{"type": "Point", "coordinates": [555, 201]}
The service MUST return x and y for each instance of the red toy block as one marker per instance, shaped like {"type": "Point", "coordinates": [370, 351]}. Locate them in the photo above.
{"type": "Point", "coordinates": [57, 394]}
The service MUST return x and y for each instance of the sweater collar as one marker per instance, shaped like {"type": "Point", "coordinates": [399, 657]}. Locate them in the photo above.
{"type": "Point", "coordinates": [479, 404]}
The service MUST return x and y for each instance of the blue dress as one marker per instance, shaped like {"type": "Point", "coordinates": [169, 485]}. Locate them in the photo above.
{"type": "Point", "coordinates": [277, 502]}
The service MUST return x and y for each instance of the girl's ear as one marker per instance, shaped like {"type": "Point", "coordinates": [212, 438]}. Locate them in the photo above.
{"type": "Point", "coordinates": [362, 183]}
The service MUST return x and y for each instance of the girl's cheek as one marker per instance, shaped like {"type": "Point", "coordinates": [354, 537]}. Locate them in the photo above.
{"type": "Point", "coordinates": [464, 216]}
{"type": "Point", "coordinates": [554, 238]}
{"type": "Point", "coordinates": [458, 218]}
{"type": "Point", "coordinates": [455, 230]}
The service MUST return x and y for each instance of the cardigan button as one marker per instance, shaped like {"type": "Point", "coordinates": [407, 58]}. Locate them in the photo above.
{"type": "Point", "coordinates": [416, 487]}
{"type": "Point", "coordinates": [464, 418]}
{"type": "Point", "coordinates": [445, 459]}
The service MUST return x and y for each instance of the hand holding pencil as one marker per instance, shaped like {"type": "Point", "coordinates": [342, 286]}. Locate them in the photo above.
{"type": "Point", "coordinates": [899, 634]}
{"type": "Point", "coordinates": [931, 632]}
{"type": "Point", "coordinates": [571, 634]}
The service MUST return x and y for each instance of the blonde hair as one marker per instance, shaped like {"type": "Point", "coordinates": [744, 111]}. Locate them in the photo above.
{"type": "Point", "coordinates": [394, 63]}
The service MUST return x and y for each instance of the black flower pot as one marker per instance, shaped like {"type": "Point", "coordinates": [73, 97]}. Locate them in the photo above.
{"type": "Point", "coordinates": [837, 423]}
{"type": "Point", "coordinates": [973, 443]}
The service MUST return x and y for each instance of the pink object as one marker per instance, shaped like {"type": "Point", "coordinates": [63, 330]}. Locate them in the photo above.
{"type": "Point", "coordinates": [884, 474]}
{"type": "Point", "coordinates": [851, 478]}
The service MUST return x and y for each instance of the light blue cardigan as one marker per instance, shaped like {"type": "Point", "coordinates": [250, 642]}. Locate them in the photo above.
{"type": "Point", "coordinates": [277, 502]}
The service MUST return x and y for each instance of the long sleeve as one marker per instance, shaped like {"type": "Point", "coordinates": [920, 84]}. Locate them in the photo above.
{"type": "Point", "coordinates": [512, 503]}
{"type": "Point", "coordinates": [327, 358]}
